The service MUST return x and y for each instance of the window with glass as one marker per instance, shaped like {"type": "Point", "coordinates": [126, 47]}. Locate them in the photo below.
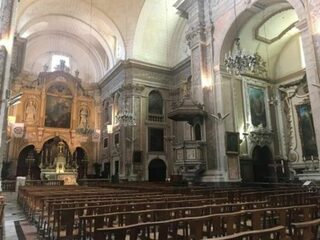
{"type": "Point", "coordinates": [156, 139]}
{"type": "Point", "coordinates": [155, 107]}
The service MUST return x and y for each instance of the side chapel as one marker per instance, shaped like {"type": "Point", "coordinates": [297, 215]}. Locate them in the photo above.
{"type": "Point", "coordinates": [56, 110]}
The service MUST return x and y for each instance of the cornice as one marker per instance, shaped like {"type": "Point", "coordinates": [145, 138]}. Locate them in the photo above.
{"type": "Point", "coordinates": [183, 6]}
{"type": "Point", "coordinates": [182, 65]}
{"type": "Point", "coordinates": [136, 64]}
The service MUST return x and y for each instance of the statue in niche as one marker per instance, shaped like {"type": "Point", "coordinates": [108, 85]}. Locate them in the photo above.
{"type": "Point", "coordinates": [186, 88]}
{"type": "Point", "coordinates": [84, 117]}
{"type": "Point", "coordinates": [30, 111]}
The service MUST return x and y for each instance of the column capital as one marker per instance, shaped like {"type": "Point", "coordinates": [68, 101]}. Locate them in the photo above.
{"type": "Point", "coordinates": [196, 35]}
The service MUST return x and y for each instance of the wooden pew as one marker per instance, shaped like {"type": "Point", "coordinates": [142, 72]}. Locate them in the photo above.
{"type": "Point", "coordinates": [88, 223]}
{"type": "Point", "coordinates": [135, 203]}
{"type": "Point", "coordinates": [214, 225]}
{"type": "Point", "coordinates": [65, 208]}
{"type": "Point", "coordinates": [276, 233]}
{"type": "Point", "coordinates": [286, 199]}
{"type": "Point", "coordinates": [61, 214]}
{"type": "Point", "coordinates": [49, 204]}
{"type": "Point", "coordinates": [307, 230]}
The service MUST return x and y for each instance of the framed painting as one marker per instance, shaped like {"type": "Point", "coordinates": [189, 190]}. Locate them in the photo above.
{"type": "Point", "coordinates": [58, 112]}
{"type": "Point", "coordinates": [232, 143]}
{"type": "Point", "coordinates": [257, 106]}
{"type": "Point", "coordinates": [306, 129]}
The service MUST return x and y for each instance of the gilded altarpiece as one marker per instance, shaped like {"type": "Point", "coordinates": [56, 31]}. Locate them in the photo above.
{"type": "Point", "coordinates": [55, 105]}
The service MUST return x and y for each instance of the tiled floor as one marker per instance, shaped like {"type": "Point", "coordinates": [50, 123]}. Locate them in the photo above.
{"type": "Point", "coordinates": [12, 212]}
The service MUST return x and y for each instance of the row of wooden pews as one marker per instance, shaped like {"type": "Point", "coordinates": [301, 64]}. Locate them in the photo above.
{"type": "Point", "coordinates": [159, 212]}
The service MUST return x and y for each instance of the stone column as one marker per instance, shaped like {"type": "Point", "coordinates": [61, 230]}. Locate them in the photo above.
{"type": "Point", "coordinates": [206, 85]}
{"type": "Point", "coordinates": [7, 18]}
{"type": "Point", "coordinates": [310, 33]}
{"type": "Point", "coordinates": [196, 37]}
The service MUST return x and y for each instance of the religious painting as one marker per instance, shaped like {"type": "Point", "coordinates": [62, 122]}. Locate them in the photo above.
{"type": "Point", "coordinates": [232, 142]}
{"type": "Point", "coordinates": [306, 128]}
{"type": "Point", "coordinates": [257, 106]}
{"type": "Point", "coordinates": [58, 112]}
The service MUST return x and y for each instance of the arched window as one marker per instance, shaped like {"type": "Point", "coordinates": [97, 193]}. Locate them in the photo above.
{"type": "Point", "coordinates": [155, 107]}
{"type": "Point", "coordinates": [197, 132]}
{"type": "Point", "coordinates": [59, 62]}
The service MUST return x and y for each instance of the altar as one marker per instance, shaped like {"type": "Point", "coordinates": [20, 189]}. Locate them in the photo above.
{"type": "Point", "coordinates": [58, 164]}
{"type": "Point", "coordinates": [311, 172]}
{"type": "Point", "coordinates": [69, 178]}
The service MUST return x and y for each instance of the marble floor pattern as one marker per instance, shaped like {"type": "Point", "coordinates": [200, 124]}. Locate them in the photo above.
{"type": "Point", "coordinates": [12, 213]}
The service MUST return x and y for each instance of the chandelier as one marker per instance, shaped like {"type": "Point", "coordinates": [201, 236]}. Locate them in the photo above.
{"type": "Point", "coordinates": [126, 117]}
{"type": "Point", "coordinates": [241, 62]}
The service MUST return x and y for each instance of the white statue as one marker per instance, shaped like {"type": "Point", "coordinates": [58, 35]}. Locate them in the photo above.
{"type": "Point", "coordinates": [31, 111]}
{"type": "Point", "coordinates": [84, 117]}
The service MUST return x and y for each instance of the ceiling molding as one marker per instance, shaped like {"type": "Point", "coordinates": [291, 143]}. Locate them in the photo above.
{"type": "Point", "coordinates": [280, 35]}
{"type": "Point", "coordinates": [101, 39]}
{"type": "Point", "coordinates": [80, 42]}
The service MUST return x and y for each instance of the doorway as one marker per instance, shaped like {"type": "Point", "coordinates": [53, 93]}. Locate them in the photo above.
{"type": "Point", "coordinates": [79, 156]}
{"type": "Point", "coordinates": [262, 161]}
{"type": "Point", "coordinates": [23, 165]}
{"type": "Point", "coordinates": [157, 170]}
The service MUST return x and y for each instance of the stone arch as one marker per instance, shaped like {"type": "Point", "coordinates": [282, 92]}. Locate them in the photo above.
{"type": "Point", "coordinates": [157, 170]}
{"type": "Point", "coordinates": [96, 44]}
{"type": "Point", "coordinates": [226, 34]}
{"type": "Point", "coordinates": [262, 160]}
{"type": "Point", "coordinates": [23, 166]}
{"type": "Point", "coordinates": [48, 148]}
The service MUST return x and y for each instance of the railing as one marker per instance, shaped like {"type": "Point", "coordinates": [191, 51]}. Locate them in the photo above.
{"type": "Point", "coordinates": [155, 118]}
{"type": "Point", "coordinates": [99, 182]}
{"type": "Point", "coordinates": [44, 182]}
{"type": "Point", "coordinates": [10, 185]}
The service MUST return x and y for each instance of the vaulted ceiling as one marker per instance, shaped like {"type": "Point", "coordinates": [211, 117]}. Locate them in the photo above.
{"type": "Point", "coordinates": [96, 34]}
{"type": "Point", "coordinates": [270, 32]}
